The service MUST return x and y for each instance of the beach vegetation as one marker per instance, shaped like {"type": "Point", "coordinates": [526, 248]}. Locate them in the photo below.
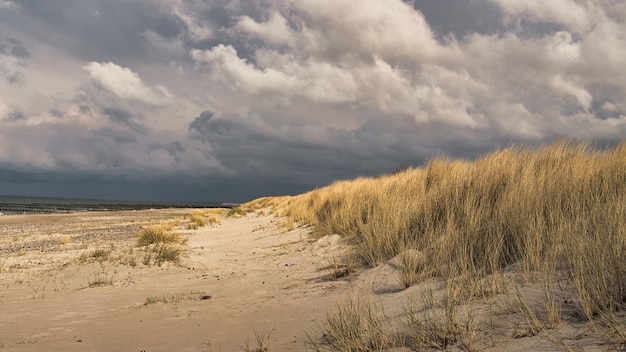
{"type": "Point", "coordinates": [161, 245]}
{"type": "Point", "coordinates": [176, 297]}
{"type": "Point", "coordinates": [238, 211]}
{"type": "Point", "coordinates": [261, 342]}
{"type": "Point", "coordinates": [196, 219]}
{"type": "Point", "coordinates": [64, 240]}
{"type": "Point", "coordinates": [203, 218]}
{"type": "Point", "coordinates": [101, 279]}
{"type": "Point", "coordinates": [158, 234]}
{"type": "Point", "coordinates": [552, 214]}
{"type": "Point", "coordinates": [355, 325]}
{"type": "Point", "coordinates": [100, 255]}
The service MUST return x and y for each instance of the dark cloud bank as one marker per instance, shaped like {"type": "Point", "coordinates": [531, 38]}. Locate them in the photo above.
{"type": "Point", "coordinates": [231, 100]}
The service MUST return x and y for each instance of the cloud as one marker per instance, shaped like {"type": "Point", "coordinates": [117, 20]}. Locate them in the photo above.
{"type": "Point", "coordinates": [577, 16]}
{"type": "Point", "coordinates": [124, 118]}
{"type": "Point", "coordinates": [300, 92]}
{"type": "Point", "coordinates": [13, 55]}
{"type": "Point", "coordinates": [197, 28]}
{"type": "Point", "coordinates": [7, 4]}
{"type": "Point", "coordinates": [510, 85]}
{"type": "Point", "coordinates": [126, 84]}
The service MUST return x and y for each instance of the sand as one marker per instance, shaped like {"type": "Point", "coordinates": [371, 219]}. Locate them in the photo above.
{"type": "Point", "coordinates": [244, 276]}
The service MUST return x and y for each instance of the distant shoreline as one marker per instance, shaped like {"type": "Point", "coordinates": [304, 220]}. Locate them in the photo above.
{"type": "Point", "coordinates": [12, 205]}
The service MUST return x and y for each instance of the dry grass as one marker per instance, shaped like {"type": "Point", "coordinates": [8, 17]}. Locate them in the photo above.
{"type": "Point", "coordinates": [559, 210]}
{"type": "Point", "coordinates": [97, 254]}
{"type": "Point", "coordinates": [262, 339]}
{"type": "Point", "coordinates": [196, 219]}
{"type": "Point", "coordinates": [158, 234]}
{"type": "Point", "coordinates": [161, 245]}
{"type": "Point", "coordinates": [101, 279]}
{"type": "Point", "coordinates": [177, 297]}
{"type": "Point", "coordinates": [356, 325]}
{"type": "Point", "coordinates": [563, 205]}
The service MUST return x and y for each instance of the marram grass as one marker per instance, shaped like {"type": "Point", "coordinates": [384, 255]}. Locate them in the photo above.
{"type": "Point", "coordinates": [562, 206]}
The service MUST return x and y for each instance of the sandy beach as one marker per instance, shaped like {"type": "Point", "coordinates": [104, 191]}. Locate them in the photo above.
{"type": "Point", "coordinates": [79, 282]}
{"type": "Point", "coordinates": [243, 276]}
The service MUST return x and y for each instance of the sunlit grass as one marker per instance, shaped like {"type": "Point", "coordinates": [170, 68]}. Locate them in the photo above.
{"type": "Point", "coordinates": [561, 207]}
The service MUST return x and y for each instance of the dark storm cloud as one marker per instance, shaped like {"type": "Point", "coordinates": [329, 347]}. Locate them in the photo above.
{"type": "Point", "coordinates": [55, 112]}
{"type": "Point", "coordinates": [16, 116]}
{"type": "Point", "coordinates": [318, 155]}
{"type": "Point", "coordinates": [116, 26]}
{"type": "Point", "coordinates": [85, 110]}
{"type": "Point", "coordinates": [13, 56]}
{"type": "Point", "coordinates": [120, 137]}
{"type": "Point", "coordinates": [289, 94]}
{"type": "Point", "coordinates": [14, 47]}
{"type": "Point", "coordinates": [174, 149]}
{"type": "Point", "coordinates": [200, 126]}
{"type": "Point", "coordinates": [125, 118]}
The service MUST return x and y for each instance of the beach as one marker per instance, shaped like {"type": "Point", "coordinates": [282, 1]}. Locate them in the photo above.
{"type": "Point", "coordinates": [253, 282]}
{"type": "Point", "coordinates": [241, 277]}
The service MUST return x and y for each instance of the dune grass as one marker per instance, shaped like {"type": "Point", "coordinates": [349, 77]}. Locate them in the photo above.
{"type": "Point", "coordinates": [161, 245]}
{"type": "Point", "coordinates": [158, 234]}
{"type": "Point", "coordinates": [548, 215]}
{"type": "Point", "coordinates": [561, 207]}
{"type": "Point", "coordinates": [204, 218]}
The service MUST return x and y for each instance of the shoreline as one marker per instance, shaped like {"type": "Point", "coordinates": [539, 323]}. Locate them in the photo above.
{"type": "Point", "coordinates": [13, 205]}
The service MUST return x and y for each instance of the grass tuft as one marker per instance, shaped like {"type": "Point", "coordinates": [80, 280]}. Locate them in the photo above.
{"type": "Point", "coordinates": [158, 234]}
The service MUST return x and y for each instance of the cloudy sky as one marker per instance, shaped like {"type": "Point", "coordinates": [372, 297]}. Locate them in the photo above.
{"type": "Point", "coordinates": [221, 100]}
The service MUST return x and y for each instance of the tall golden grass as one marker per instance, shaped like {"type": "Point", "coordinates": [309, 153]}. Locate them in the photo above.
{"type": "Point", "coordinates": [560, 207]}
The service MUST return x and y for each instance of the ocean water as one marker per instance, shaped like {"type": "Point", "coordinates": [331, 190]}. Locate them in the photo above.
{"type": "Point", "coordinates": [10, 205]}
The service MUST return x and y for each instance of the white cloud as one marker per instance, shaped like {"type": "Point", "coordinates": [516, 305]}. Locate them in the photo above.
{"type": "Point", "coordinates": [275, 31]}
{"type": "Point", "coordinates": [126, 84]}
{"type": "Point", "coordinates": [390, 29]}
{"type": "Point", "coordinates": [581, 94]}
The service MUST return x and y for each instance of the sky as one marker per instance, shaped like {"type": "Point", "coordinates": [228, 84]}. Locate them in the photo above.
{"type": "Point", "coordinates": [215, 100]}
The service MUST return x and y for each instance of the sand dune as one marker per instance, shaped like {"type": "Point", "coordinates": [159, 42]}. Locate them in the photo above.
{"type": "Point", "coordinates": [78, 282]}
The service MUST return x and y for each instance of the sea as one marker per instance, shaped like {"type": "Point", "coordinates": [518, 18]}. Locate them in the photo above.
{"type": "Point", "coordinates": [11, 205]}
